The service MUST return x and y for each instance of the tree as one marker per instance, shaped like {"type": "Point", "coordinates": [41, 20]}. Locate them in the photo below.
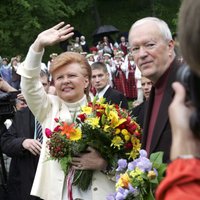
{"type": "Point", "coordinates": [22, 20]}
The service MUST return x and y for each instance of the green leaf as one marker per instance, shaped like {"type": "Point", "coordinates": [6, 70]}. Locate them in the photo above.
{"type": "Point", "coordinates": [83, 179]}
{"type": "Point", "coordinates": [65, 163]}
{"type": "Point", "coordinates": [157, 157]}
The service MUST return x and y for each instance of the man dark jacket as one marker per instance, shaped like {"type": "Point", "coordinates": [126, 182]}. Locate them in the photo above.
{"type": "Point", "coordinates": [115, 97]}
{"type": "Point", "coordinates": [138, 113]}
{"type": "Point", "coordinates": [162, 136]}
{"type": "Point", "coordinates": [23, 164]}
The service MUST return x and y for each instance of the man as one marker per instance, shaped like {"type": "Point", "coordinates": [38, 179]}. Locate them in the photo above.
{"type": "Point", "coordinates": [153, 50]}
{"type": "Point", "coordinates": [4, 88]}
{"type": "Point", "coordinates": [139, 110]}
{"type": "Point", "coordinates": [100, 81]}
{"type": "Point", "coordinates": [22, 144]}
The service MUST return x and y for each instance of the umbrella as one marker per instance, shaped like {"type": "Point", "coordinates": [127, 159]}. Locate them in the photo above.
{"type": "Point", "coordinates": [105, 29]}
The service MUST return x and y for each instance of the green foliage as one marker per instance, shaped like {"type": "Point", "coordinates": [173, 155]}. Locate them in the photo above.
{"type": "Point", "coordinates": [82, 178]}
{"type": "Point", "coordinates": [157, 160]}
{"type": "Point", "coordinates": [22, 20]}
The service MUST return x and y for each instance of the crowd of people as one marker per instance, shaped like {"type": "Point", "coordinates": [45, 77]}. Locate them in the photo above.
{"type": "Point", "coordinates": [124, 74]}
{"type": "Point", "coordinates": [146, 66]}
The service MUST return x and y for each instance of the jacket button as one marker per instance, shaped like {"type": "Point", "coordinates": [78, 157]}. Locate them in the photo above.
{"type": "Point", "coordinates": [95, 189]}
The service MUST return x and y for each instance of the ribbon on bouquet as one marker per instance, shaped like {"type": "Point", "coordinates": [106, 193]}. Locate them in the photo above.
{"type": "Point", "coordinates": [70, 178]}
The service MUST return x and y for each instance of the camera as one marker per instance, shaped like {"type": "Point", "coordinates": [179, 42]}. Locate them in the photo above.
{"type": "Point", "coordinates": [191, 83]}
{"type": "Point", "coordinates": [7, 104]}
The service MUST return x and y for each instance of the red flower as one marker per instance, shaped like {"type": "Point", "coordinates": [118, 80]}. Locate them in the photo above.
{"type": "Point", "coordinates": [48, 132]}
{"type": "Point", "coordinates": [82, 117]}
{"type": "Point", "coordinates": [56, 120]}
{"type": "Point", "coordinates": [137, 134]}
{"type": "Point", "coordinates": [128, 145]}
{"type": "Point", "coordinates": [128, 119]}
{"type": "Point", "coordinates": [132, 127]}
{"type": "Point", "coordinates": [99, 114]}
{"type": "Point", "coordinates": [57, 128]}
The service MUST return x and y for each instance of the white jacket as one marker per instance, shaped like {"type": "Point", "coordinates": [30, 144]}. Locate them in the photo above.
{"type": "Point", "coordinates": [50, 179]}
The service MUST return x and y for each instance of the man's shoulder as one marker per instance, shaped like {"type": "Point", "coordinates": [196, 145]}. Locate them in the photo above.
{"type": "Point", "coordinates": [114, 91]}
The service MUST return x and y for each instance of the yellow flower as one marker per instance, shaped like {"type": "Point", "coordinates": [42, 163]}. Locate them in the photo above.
{"type": "Point", "coordinates": [151, 175]}
{"type": "Point", "coordinates": [117, 131]}
{"type": "Point", "coordinates": [136, 147]}
{"type": "Point", "coordinates": [136, 143]}
{"type": "Point", "coordinates": [94, 122]}
{"type": "Point", "coordinates": [113, 117]}
{"type": "Point", "coordinates": [101, 100]}
{"type": "Point", "coordinates": [137, 175]}
{"type": "Point", "coordinates": [123, 181]}
{"type": "Point", "coordinates": [117, 142]}
{"type": "Point", "coordinates": [126, 134]}
{"type": "Point", "coordinates": [76, 135]}
{"type": "Point", "coordinates": [87, 110]}
{"type": "Point", "coordinates": [121, 121]}
{"type": "Point", "coordinates": [106, 128]}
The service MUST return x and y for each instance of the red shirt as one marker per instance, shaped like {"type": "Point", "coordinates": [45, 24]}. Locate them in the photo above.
{"type": "Point", "coordinates": [182, 181]}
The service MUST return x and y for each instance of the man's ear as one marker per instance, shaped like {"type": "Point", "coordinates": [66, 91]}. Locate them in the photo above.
{"type": "Point", "coordinates": [86, 82]}
{"type": "Point", "coordinates": [171, 47]}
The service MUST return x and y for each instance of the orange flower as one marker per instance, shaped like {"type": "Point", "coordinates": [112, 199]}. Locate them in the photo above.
{"type": "Point", "coordinates": [67, 129]}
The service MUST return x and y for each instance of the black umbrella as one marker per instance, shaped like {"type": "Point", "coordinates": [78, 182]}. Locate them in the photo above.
{"type": "Point", "coordinates": [105, 30]}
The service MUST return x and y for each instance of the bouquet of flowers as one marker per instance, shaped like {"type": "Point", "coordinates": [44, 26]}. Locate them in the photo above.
{"type": "Point", "coordinates": [139, 178]}
{"type": "Point", "coordinates": [107, 128]}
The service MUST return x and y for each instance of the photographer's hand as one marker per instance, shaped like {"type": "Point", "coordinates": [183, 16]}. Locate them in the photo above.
{"type": "Point", "coordinates": [54, 35]}
{"type": "Point", "coordinates": [183, 140]}
{"type": "Point", "coordinates": [32, 145]}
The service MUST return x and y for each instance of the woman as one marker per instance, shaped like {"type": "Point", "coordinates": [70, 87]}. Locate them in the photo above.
{"type": "Point", "coordinates": [71, 74]}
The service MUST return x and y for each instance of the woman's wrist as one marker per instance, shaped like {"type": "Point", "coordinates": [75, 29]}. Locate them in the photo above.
{"type": "Point", "coordinates": [37, 46]}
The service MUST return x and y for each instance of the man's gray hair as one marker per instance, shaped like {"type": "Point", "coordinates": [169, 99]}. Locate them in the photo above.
{"type": "Point", "coordinates": [162, 25]}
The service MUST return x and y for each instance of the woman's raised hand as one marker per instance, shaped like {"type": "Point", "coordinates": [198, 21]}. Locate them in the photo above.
{"type": "Point", "coordinates": [56, 34]}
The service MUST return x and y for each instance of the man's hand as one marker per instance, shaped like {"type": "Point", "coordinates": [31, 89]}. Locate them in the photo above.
{"type": "Point", "coordinates": [4, 86]}
{"type": "Point", "coordinates": [32, 145]}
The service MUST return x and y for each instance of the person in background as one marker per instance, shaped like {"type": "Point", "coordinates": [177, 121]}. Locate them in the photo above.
{"type": "Point", "coordinates": [182, 179]}
{"type": "Point", "coordinates": [152, 47]}
{"type": "Point", "coordinates": [90, 58]}
{"type": "Point", "coordinates": [129, 68]}
{"type": "Point", "coordinates": [15, 82]}
{"type": "Point", "coordinates": [52, 57]}
{"type": "Point", "coordinates": [76, 46]}
{"type": "Point", "coordinates": [94, 50]}
{"type": "Point", "coordinates": [107, 59]}
{"type": "Point", "coordinates": [123, 45]}
{"type": "Point", "coordinates": [20, 142]}
{"type": "Point", "coordinates": [6, 71]}
{"type": "Point", "coordinates": [100, 81]}
{"type": "Point", "coordinates": [139, 110]}
{"type": "Point", "coordinates": [4, 160]}
{"type": "Point", "coordinates": [119, 79]}
{"type": "Point", "coordinates": [84, 44]}
{"type": "Point", "coordinates": [71, 74]}
{"type": "Point", "coordinates": [20, 104]}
